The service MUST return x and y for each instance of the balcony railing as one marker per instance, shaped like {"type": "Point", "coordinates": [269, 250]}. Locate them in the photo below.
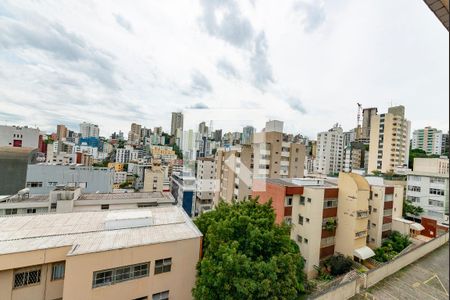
{"type": "Point", "coordinates": [362, 214]}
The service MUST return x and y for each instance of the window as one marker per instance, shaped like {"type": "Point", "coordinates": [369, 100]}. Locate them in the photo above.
{"type": "Point", "coordinates": [58, 270]}
{"type": "Point", "coordinates": [26, 278]}
{"type": "Point", "coordinates": [53, 205]}
{"type": "Point", "coordinates": [302, 200]}
{"type": "Point", "coordinates": [437, 192]}
{"type": "Point", "coordinates": [289, 201]}
{"type": "Point", "coordinates": [52, 183]}
{"type": "Point", "coordinates": [120, 274]}
{"type": "Point", "coordinates": [414, 188]}
{"type": "Point", "coordinates": [105, 206]}
{"type": "Point", "coordinates": [300, 220]}
{"type": "Point", "coordinates": [436, 203]}
{"type": "Point", "coordinates": [147, 204]}
{"type": "Point", "coordinates": [11, 211]}
{"type": "Point", "coordinates": [299, 238]}
{"type": "Point", "coordinates": [161, 296]}
{"type": "Point", "coordinates": [309, 200]}
{"type": "Point", "coordinates": [163, 265]}
{"type": "Point", "coordinates": [374, 210]}
{"type": "Point", "coordinates": [307, 220]}
{"type": "Point", "coordinates": [306, 241]}
{"type": "Point", "coordinates": [31, 210]}
{"type": "Point", "coordinates": [34, 184]}
{"type": "Point", "coordinates": [330, 203]}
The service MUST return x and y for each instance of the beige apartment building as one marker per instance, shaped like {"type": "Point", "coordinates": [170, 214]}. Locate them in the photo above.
{"type": "Point", "coordinates": [234, 170]}
{"type": "Point", "coordinates": [268, 157]}
{"type": "Point", "coordinates": [154, 179]}
{"type": "Point", "coordinates": [132, 254]}
{"type": "Point", "coordinates": [385, 204]}
{"type": "Point", "coordinates": [330, 215]}
{"type": "Point", "coordinates": [389, 140]}
{"type": "Point", "coordinates": [207, 185]}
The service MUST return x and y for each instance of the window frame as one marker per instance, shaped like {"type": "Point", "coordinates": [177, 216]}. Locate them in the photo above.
{"type": "Point", "coordinates": [165, 267]}
{"type": "Point", "coordinates": [26, 275]}
{"type": "Point", "coordinates": [56, 264]}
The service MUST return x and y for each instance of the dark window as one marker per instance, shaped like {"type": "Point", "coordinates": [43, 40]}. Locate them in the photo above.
{"type": "Point", "coordinates": [11, 211]}
{"type": "Point", "coordinates": [300, 220]}
{"type": "Point", "coordinates": [105, 206]}
{"type": "Point", "coordinates": [53, 206]}
{"type": "Point", "coordinates": [302, 200]}
{"type": "Point", "coordinates": [31, 210]}
{"type": "Point", "coordinates": [27, 278]}
{"type": "Point", "coordinates": [116, 275]}
{"type": "Point", "coordinates": [163, 265]}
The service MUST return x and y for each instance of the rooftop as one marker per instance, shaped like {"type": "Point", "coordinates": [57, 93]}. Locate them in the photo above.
{"type": "Point", "coordinates": [89, 232]}
{"type": "Point", "coordinates": [306, 182]}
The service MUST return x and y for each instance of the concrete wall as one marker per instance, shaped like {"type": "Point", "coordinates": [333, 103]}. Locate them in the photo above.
{"type": "Point", "coordinates": [97, 179]}
{"type": "Point", "coordinates": [376, 275]}
{"type": "Point", "coordinates": [351, 288]}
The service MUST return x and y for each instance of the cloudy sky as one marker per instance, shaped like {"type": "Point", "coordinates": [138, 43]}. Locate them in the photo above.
{"type": "Point", "coordinates": [235, 62]}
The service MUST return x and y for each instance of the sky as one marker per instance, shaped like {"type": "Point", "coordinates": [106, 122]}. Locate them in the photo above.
{"type": "Point", "coordinates": [237, 63]}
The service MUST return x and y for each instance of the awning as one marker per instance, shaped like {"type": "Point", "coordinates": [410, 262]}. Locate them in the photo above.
{"type": "Point", "coordinates": [417, 226]}
{"type": "Point", "coordinates": [363, 253]}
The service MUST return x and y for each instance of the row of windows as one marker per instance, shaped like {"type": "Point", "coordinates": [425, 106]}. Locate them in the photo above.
{"type": "Point", "coordinates": [414, 188]}
{"type": "Point", "coordinates": [125, 273]}
{"type": "Point", "coordinates": [436, 203]}
{"type": "Point", "coordinates": [437, 192]}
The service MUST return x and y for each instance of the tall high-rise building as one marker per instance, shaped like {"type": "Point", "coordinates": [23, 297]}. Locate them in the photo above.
{"type": "Point", "coordinates": [445, 144]}
{"type": "Point", "coordinates": [134, 135]}
{"type": "Point", "coordinates": [247, 135]}
{"type": "Point", "coordinates": [89, 130]}
{"type": "Point", "coordinates": [330, 151]}
{"type": "Point", "coordinates": [427, 139]}
{"type": "Point", "coordinates": [177, 122]}
{"type": "Point", "coordinates": [368, 113]}
{"type": "Point", "coordinates": [203, 129]}
{"type": "Point", "coordinates": [389, 140]}
{"type": "Point", "coordinates": [61, 132]}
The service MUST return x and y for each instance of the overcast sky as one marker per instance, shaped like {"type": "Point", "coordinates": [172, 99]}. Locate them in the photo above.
{"type": "Point", "coordinates": [235, 62]}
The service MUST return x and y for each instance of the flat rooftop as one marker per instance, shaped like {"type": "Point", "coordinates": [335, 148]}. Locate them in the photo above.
{"type": "Point", "coordinates": [122, 196]}
{"type": "Point", "coordinates": [89, 232]}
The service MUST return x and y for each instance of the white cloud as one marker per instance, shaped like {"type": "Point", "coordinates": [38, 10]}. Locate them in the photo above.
{"type": "Point", "coordinates": [70, 61]}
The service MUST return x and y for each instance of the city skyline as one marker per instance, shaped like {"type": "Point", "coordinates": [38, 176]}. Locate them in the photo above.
{"type": "Point", "coordinates": [304, 65]}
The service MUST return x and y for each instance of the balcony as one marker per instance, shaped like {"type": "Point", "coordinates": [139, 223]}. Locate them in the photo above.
{"type": "Point", "coordinates": [285, 154]}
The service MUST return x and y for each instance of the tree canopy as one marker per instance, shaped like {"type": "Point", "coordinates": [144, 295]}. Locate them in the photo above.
{"type": "Point", "coordinates": [247, 255]}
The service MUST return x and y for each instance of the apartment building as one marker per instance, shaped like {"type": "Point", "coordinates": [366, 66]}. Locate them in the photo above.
{"type": "Point", "coordinates": [183, 188]}
{"type": "Point", "coordinates": [89, 130]}
{"type": "Point", "coordinates": [274, 158]}
{"type": "Point", "coordinates": [385, 204]}
{"type": "Point", "coordinates": [154, 179]}
{"type": "Point", "coordinates": [61, 132]}
{"type": "Point", "coordinates": [17, 136]}
{"type": "Point", "coordinates": [176, 122]}
{"type": "Point", "coordinates": [428, 187]}
{"type": "Point", "coordinates": [120, 177]}
{"type": "Point", "coordinates": [153, 256]}
{"type": "Point", "coordinates": [42, 178]}
{"type": "Point", "coordinates": [65, 199]}
{"type": "Point", "coordinates": [234, 168]}
{"type": "Point", "coordinates": [367, 115]}
{"type": "Point", "coordinates": [164, 153]}
{"type": "Point", "coordinates": [355, 157]}
{"type": "Point", "coordinates": [389, 140]}
{"type": "Point", "coordinates": [330, 151]}
{"type": "Point", "coordinates": [247, 135]}
{"type": "Point", "coordinates": [428, 139]}
{"type": "Point", "coordinates": [206, 184]}
{"type": "Point", "coordinates": [327, 215]}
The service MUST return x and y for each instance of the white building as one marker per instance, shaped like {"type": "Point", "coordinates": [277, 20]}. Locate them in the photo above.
{"type": "Point", "coordinates": [89, 130]}
{"type": "Point", "coordinates": [206, 183]}
{"type": "Point", "coordinates": [428, 187]}
{"type": "Point", "coordinates": [17, 136]}
{"type": "Point", "coordinates": [428, 139]}
{"type": "Point", "coordinates": [330, 151]}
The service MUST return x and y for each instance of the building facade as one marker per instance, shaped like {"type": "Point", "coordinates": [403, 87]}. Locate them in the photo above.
{"type": "Point", "coordinates": [43, 178]}
{"type": "Point", "coordinates": [427, 139]}
{"type": "Point", "coordinates": [206, 183]}
{"type": "Point", "coordinates": [176, 123]}
{"type": "Point", "coordinates": [330, 151]}
{"type": "Point", "coordinates": [62, 260]}
{"type": "Point", "coordinates": [16, 136]}
{"type": "Point", "coordinates": [389, 140]}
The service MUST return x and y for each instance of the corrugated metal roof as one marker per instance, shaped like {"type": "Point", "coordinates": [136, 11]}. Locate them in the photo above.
{"type": "Point", "coordinates": [86, 231]}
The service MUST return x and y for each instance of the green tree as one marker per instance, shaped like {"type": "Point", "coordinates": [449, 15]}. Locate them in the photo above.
{"type": "Point", "coordinates": [338, 264]}
{"type": "Point", "coordinates": [247, 255]}
{"type": "Point", "coordinates": [409, 208]}
{"type": "Point", "coordinates": [419, 153]}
